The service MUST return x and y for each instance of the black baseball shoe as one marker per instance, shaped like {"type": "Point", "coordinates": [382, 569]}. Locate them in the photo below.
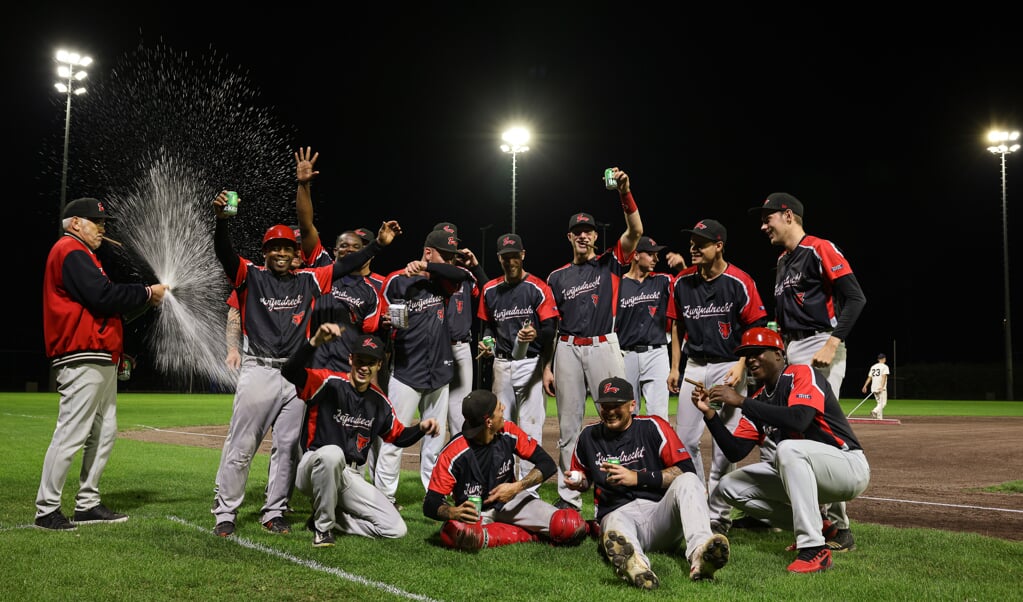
{"type": "Point", "coordinates": [98, 514]}
{"type": "Point", "coordinates": [224, 529]}
{"type": "Point", "coordinates": [55, 521]}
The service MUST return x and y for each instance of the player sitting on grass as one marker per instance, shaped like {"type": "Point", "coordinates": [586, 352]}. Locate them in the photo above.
{"type": "Point", "coordinates": [480, 463]}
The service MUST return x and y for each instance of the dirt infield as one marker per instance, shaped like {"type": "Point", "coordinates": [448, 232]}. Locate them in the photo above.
{"type": "Point", "coordinates": [926, 472]}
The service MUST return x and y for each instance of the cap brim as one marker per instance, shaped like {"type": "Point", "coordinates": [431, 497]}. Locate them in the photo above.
{"type": "Point", "coordinates": [610, 400]}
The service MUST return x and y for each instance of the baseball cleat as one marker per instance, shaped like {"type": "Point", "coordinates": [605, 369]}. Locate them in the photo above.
{"type": "Point", "coordinates": [55, 521]}
{"type": "Point", "coordinates": [811, 560]}
{"type": "Point", "coordinates": [842, 541]}
{"type": "Point", "coordinates": [323, 539]}
{"type": "Point", "coordinates": [628, 564]}
{"type": "Point", "coordinates": [277, 524]}
{"type": "Point", "coordinates": [224, 529]}
{"type": "Point", "coordinates": [709, 557]}
{"type": "Point", "coordinates": [98, 514]}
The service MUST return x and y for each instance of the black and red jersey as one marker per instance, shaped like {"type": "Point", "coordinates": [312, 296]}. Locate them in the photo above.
{"type": "Point", "coordinates": [642, 310]}
{"type": "Point", "coordinates": [586, 294]}
{"type": "Point", "coordinates": [713, 314]}
{"type": "Point", "coordinates": [803, 288]}
{"type": "Point", "coordinates": [506, 307]}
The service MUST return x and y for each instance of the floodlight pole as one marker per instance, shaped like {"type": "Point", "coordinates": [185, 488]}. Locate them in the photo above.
{"type": "Point", "coordinates": [1005, 144]}
{"type": "Point", "coordinates": [515, 139]}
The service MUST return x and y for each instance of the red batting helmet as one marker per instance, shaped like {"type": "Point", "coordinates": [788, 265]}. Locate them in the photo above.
{"type": "Point", "coordinates": [282, 232]}
{"type": "Point", "coordinates": [759, 338]}
{"type": "Point", "coordinates": [567, 527]}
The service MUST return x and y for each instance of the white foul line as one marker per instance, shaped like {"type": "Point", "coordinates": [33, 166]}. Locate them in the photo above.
{"type": "Point", "coordinates": [885, 499]}
{"type": "Point", "coordinates": [312, 564]}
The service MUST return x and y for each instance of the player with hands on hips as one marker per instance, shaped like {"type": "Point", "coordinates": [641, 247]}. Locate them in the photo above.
{"type": "Point", "coordinates": [478, 466]}
{"type": "Point", "coordinates": [345, 412]}
{"type": "Point", "coordinates": [817, 457]}
{"type": "Point", "coordinates": [877, 380]}
{"type": "Point", "coordinates": [646, 491]}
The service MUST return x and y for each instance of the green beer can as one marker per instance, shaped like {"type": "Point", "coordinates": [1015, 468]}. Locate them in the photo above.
{"type": "Point", "coordinates": [478, 501]}
{"type": "Point", "coordinates": [232, 203]}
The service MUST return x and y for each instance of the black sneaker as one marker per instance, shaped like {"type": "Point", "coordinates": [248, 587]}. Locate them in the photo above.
{"type": "Point", "coordinates": [323, 539]}
{"type": "Point", "coordinates": [55, 521]}
{"type": "Point", "coordinates": [98, 514]}
{"type": "Point", "coordinates": [277, 525]}
{"type": "Point", "coordinates": [224, 529]}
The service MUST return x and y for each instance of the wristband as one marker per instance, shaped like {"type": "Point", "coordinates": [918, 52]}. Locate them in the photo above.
{"type": "Point", "coordinates": [651, 478]}
{"type": "Point", "coordinates": [628, 203]}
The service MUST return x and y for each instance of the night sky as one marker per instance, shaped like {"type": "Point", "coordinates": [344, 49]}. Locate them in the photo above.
{"type": "Point", "coordinates": [878, 127]}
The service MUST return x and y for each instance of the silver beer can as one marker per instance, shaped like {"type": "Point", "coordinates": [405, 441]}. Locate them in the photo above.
{"type": "Point", "coordinates": [398, 312]}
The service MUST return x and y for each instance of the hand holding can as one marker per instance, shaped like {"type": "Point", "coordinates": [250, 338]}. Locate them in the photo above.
{"type": "Point", "coordinates": [610, 182]}
{"type": "Point", "coordinates": [232, 203]}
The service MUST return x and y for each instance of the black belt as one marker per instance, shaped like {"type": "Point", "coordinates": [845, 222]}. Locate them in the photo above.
{"type": "Point", "coordinates": [799, 335]}
{"type": "Point", "coordinates": [270, 362]}
{"type": "Point", "coordinates": [710, 359]}
{"type": "Point", "coordinates": [468, 340]}
{"type": "Point", "coordinates": [642, 348]}
{"type": "Point", "coordinates": [507, 356]}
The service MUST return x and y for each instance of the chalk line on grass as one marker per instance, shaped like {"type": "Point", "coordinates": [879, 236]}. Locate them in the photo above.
{"type": "Point", "coordinates": [312, 564]}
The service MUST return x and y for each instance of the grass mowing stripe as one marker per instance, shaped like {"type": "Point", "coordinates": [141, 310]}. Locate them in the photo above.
{"type": "Point", "coordinates": [312, 564]}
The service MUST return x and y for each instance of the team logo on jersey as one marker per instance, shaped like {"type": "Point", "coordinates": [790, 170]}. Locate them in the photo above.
{"type": "Point", "coordinates": [799, 298]}
{"type": "Point", "coordinates": [361, 442]}
{"type": "Point", "coordinates": [653, 311]}
{"type": "Point", "coordinates": [725, 329]}
{"type": "Point", "coordinates": [595, 298]}
{"type": "Point", "coordinates": [440, 315]}
{"type": "Point", "coordinates": [296, 319]}
{"type": "Point", "coordinates": [458, 305]}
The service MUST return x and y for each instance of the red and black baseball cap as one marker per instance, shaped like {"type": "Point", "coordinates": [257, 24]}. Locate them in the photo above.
{"type": "Point", "coordinates": [582, 220]}
{"type": "Point", "coordinates": [365, 234]}
{"type": "Point", "coordinates": [509, 243]}
{"type": "Point", "coordinates": [447, 227]}
{"type": "Point", "coordinates": [648, 245]}
{"type": "Point", "coordinates": [614, 390]}
{"type": "Point", "coordinates": [710, 229]}
{"type": "Point", "coordinates": [369, 345]}
{"type": "Point", "coordinates": [779, 201]}
{"type": "Point", "coordinates": [88, 208]}
{"type": "Point", "coordinates": [442, 241]}
{"type": "Point", "coordinates": [476, 408]}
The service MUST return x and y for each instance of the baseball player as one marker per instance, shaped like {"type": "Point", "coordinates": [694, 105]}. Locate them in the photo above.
{"type": "Point", "coordinates": [517, 309]}
{"type": "Point", "coordinates": [422, 363]}
{"type": "Point", "coordinates": [276, 303]}
{"type": "Point", "coordinates": [458, 317]}
{"type": "Point", "coordinates": [84, 336]}
{"type": "Point", "coordinates": [713, 303]}
{"type": "Point", "coordinates": [477, 465]}
{"type": "Point", "coordinates": [877, 380]}
{"type": "Point", "coordinates": [587, 349]}
{"type": "Point", "coordinates": [642, 327]}
{"type": "Point", "coordinates": [817, 457]}
{"type": "Point", "coordinates": [646, 491]}
{"type": "Point", "coordinates": [817, 301]}
{"type": "Point", "coordinates": [345, 411]}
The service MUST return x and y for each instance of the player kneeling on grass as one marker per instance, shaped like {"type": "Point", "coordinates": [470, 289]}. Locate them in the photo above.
{"type": "Point", "coordinates": [345, 412]}
{"type": "Point", "coordinates": [480, 463]}
{"type": "Point", "coordinates": [818, 459]}
{"type": "Point", "coordinates": [646, 490]}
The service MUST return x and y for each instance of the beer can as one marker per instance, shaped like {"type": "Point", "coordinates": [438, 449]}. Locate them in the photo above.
{"type": "Point", "coordinates": [773, 325]}
{"type": "Point", "coordinates": [398, 312]}
{"type": "Point", "coordinates": [232, 203]}
{"type": "Point", "coordinates": [478, 501]}
{"type": "Point", "coordinates": [489, 342]}
{"type": "Point", "coordinates": [124, 368]}
{"type": "Point", "coordinates": [521, 347]}
{"type": "Point", "coordinates": [613, 461]}
{"type": "Point", "coordinates": [609, 179]}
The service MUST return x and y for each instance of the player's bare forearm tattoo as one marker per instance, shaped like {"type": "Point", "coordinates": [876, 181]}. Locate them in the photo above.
{"type": "Point", "coordinates": [535, 477]}
{"type": "Point", "coordinates": [233, 332]}
{"type": "Point", "coordinates": [669, 474]}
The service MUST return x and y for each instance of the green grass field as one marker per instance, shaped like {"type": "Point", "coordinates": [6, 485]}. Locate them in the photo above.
{"type": "Point", "coordinates": [167, 550]}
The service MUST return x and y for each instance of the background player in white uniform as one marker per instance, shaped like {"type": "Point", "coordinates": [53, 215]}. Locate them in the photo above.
{"type": "Point", "coordinates": [642, 327]}
{"type": "Point", "coordinates": [817, 301]}
{"type": "Point", "coordinates": [480, 462]}
{"type": "Point", "coordinates": [712, 303]}
{"type": "Point", "coordinates": [345, 411]}
{"type": "Point", "coordinates": [646, 492]}
{"type": "Point", "coordinates": [587, 350]}
{"type": "Point", "coordinates": [877, 380]}
{"type": "Point", "coordinates": [515, 307]}
{"type": "Point", "coordinates": [817, 459]}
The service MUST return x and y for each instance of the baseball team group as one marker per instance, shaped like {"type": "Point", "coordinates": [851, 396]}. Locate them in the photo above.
{"type": "Point", "coordinates": [337, 361]}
